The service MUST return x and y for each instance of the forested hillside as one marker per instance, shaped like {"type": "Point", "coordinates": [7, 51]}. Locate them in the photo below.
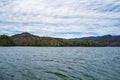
{"type": "Point", "coordinates": [107, 40]}
{"type": "Point", "coordinates": [27, 39]}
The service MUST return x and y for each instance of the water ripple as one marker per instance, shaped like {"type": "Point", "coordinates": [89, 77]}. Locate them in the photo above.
{"type": "Point", "coordinates": [68, 63]}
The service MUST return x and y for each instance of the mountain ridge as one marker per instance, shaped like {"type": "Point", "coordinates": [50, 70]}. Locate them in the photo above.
{"type": "Point", "coordinates": [27, 39]}
{"type": "Point", "coordinates": [107, 40]}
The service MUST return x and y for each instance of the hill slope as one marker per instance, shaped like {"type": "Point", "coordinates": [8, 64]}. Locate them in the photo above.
{"type": "Point", "coordinates": [27, 39]}
{"type": "Point", "coordinates": [6, 41]}
{"type": "Point", "coordinates": [107, 40]}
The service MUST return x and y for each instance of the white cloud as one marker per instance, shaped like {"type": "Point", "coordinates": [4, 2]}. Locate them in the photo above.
{"type": "Point", "coordinates": [46, 17]}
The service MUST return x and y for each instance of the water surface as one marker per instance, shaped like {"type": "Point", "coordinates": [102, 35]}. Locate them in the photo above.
{"type": "Point", "coordinates": [59, 63]}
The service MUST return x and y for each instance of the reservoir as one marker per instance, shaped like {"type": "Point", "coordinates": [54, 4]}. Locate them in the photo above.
{"type": "Point", "coordinates": [59, 63]}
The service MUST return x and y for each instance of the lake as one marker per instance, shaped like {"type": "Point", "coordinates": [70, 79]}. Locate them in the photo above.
{"type": "Point", "coordinates": [59, 63]}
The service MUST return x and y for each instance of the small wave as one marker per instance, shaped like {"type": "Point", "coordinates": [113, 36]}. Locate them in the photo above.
{"type": "Point", "coordinates": [70, 68]}
{"type": "Point", "coordinates": [49, 60]}
{"type": "Point", "coordinates": [58, 74]}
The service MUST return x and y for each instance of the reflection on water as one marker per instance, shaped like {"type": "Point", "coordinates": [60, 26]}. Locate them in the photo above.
{"type": "Point", "coordinates": [54, 63]}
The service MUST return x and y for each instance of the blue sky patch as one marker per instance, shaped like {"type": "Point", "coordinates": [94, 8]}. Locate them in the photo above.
{"type": "Point", "coordinates": [73, 33]}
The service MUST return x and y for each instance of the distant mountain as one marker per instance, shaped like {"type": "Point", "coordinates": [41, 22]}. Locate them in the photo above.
{"type": "Point", "coordinates": [24, 35]}
{"type": "Point", "coordinates": [27, 39]}
{"type": "Point", "coordinates": [107, 40]}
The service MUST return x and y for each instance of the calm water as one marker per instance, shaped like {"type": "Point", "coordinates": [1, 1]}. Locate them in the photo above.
{"type": "Point", "coordinates": [54, 63]}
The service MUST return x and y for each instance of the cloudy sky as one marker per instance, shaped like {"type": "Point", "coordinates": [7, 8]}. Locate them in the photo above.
{"type": "Point", "coordinates": [60, 18]}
